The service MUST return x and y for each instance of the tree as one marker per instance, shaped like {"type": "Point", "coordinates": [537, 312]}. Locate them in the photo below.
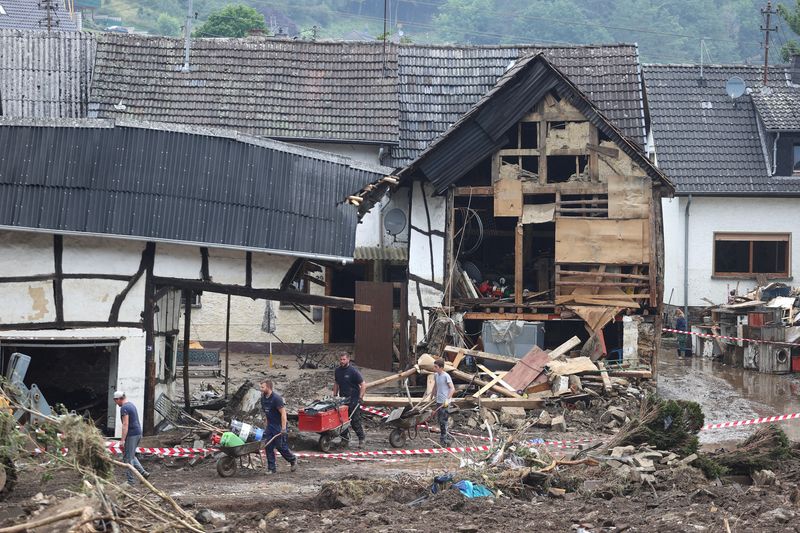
{"type": "Point", "coordinates": [234, 20]}
{"type": "Point", "coordinates": [167, 25]}
{"type": "Point", "coordinates": [792, 18]}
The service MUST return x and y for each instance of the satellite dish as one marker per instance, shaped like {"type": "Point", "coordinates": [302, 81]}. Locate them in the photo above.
{"type": "Point", "coordinates": [735, 87]}
{"type": "Point", "coordinates": [394, 221]}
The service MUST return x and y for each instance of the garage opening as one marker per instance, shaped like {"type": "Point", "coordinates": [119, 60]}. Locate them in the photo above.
{"type": "Point", "coordinates": [80, 375]}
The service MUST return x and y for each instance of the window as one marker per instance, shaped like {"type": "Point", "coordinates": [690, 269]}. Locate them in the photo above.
{"type": "Point", "coordinates": [299, 285]}
{"type": "Point", "coordinates": [796, 159]}
{"type": "Point", "coordinates": [195, 300]}
{"type": "Point", "coordinates": [750, 254]}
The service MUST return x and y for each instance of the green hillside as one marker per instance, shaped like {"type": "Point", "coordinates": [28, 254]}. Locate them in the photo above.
{"type": "Point", "coordinates": [666, 31]}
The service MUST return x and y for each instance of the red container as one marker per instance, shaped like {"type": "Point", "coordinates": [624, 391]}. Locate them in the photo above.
{"type": "Point", "coordinates": [322, 421]}
{"type": "Point", "coordinates": [796, 363]}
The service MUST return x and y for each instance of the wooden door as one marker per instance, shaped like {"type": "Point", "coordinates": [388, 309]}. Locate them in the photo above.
{"type": "Point", "coordinates": [374, 329]}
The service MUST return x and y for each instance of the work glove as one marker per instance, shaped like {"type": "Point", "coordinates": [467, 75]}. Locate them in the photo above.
{"type": "Point", "coordinates": [446, 404]}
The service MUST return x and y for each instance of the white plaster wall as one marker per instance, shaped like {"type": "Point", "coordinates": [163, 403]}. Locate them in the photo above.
{"type": "Point", "coordinates": [25, 253]}
{"type": "Point", "coordinates": [30, 301]}
{"type": "Point", "coordinates": [707, 216]}
{"type": "Point", "coordinates": [97, 255]}
{"type": "Point", "coordinates": [131, 356]}
{"type": "Point", "coordinates": [208, 321]}
{"type": "Point", "coordinates": [178, 261]}
{"type": "Point", "coordinates": [419, 249]}
{"type": "Point", "coordinates": [227, 266]}
{"type": "Point", "coordinates": [368, 153]}
{"type": "Point", "coordinates": [91, 299]}
{"type": "Point", "coordinates": [269, 270]}
{"type": "Point", "coordinates": [371, 231]}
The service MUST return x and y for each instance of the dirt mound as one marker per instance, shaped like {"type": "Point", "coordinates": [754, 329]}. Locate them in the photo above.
{"type": "Point", "coordinates": [353, 491]}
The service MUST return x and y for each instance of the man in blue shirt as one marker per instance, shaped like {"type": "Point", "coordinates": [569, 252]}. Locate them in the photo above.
{"type": "Point", "coordinates": [349, 384]}
{"type": "Point", "coordinates": [131, 434]}
{"type": "Point", "coordinates": [274, 410]}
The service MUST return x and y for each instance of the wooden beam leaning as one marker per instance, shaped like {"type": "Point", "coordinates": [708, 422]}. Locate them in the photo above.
{"type": "Point", "coordinates": [265, 294]}
{"type": "Point", "coordinates": [491, 403]}
{"type": "Point", "coordinates": [394, 377]}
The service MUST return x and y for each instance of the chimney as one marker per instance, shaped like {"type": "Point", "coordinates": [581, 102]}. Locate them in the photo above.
{"type": "Point", "coordinates": [255, 32]}
{"type": "Point", "coordinates": [794, 69]}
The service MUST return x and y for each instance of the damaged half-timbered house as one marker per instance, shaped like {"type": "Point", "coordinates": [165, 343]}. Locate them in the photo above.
{"type": "Point", "coordinates": [534, 206]}
{"type": "Point", "coordinates": [104, 225]}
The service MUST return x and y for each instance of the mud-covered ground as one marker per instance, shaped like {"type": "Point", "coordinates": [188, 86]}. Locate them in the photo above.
{"type": "Point", "coordinates": [329, 495]}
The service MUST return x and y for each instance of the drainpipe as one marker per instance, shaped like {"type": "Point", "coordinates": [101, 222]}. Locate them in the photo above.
{"type": "Point", "coordinates": [775, 153]}
{"type": "Point", "coordinates": [686, 258]}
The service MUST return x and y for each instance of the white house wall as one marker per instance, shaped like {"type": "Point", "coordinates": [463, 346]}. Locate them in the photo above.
{"type": "Point", "coordinates": [426, 250]}
{"type": "Point", "coordinates": [91, 299]}
{"type": "Point", "coordinates": [28, 301]}
{"type": "Point", "coordinates": [99, 255]}
{"type": "Point", "coordinates": [25, 253]}
{"type": "Point", "coordinates": [708, 215]}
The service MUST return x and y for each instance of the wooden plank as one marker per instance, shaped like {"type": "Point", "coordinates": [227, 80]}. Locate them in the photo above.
{"type": "Point", "coordinates": [508, 199]}
{"type": "Point", "coordinates": [590, 300]}
{"type": "Point", "coordinates": [492, 374]}
{"type": "Point", "coordinates": [603, 241]}
{"type": "Point", "coordinates": [474, 191]}
{"type": "Point", "coordinates": [618, 275]}
{"type": "Point", "coordinates": [628, 196]}
{"type": "Point", "coordinates": [458, 358]}
{"type": "Point", "coordinates": [488, 386]}
{"type": "Point", "coordinates": [508, 316]}
{"type": "Point", "coordinates": [564, 298]}
{"type": "Point", "coordinates": [518, 260]}
{"type": "Point", "coordinates": [567, 283]}
{"type": "Point", "coordinates": [481, 355]}
{"type": "Point", "coordinates": [373, 347]}
{"type": "Point", "coordinates": [491, 403]}
{"type": "Point", "coordinates": [564, 348]}
{"type": "Point", "coordinates": [529, 370]}
{"type": "Point", "coordinates": [605, 150]}
{"type": "Point", "coordinates": [604, 375]}
{"type": "Point", "coordinates": [393, 377]}
{"type": "Point", "coordinates": [469, 378]}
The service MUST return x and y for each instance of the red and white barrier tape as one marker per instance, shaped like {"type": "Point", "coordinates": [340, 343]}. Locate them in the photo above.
{"type": "Point", "coordinates": [712, 336]}
{"type": "Point", "coordinates": [752, 421]}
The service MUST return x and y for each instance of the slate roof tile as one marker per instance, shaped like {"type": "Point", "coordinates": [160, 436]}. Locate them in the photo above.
{"type": "Point", "coordinates": [779, 107]}
{"type": "Point", "coordinates": [705, 142]}
{"type": "Point", "coordinates": [27, 15]}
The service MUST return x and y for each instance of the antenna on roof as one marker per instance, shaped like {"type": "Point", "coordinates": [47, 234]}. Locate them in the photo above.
{"type": "Point", "coordinates": [187, 40]}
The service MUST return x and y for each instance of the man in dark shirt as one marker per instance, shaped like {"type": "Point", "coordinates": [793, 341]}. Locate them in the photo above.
{"type": "Point", "coordinates": [131, 434]}
{"type": "Point", "coordinates": [349, 384]}
{"type": "Point", "coordinates": [274, 410]}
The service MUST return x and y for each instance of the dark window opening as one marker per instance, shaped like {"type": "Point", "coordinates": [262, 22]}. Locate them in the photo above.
{"type": "Point", "coordinates": [560, 168]}
{"type": "Point", "coordinates": [744, 254]}
{"type": "Point", "coordinates": [796, 159]}
{"type": "Point", "coordinates": [530, 163]}
{"type": "Point", "coordinates": [512, 137]}
{"type": "Point", "coordinates": [196, 301]}
{"type": "Point", "coordinates": [529, 135]}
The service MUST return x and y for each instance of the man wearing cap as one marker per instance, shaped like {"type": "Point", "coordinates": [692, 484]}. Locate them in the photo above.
{"type": "Point", "coordinates": [131, 434]}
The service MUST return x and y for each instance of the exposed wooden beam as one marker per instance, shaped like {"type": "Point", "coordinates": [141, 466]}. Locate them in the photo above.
{"type": "Point", "coordinates": [509, 316]}
{"type": "Point", "coordinates": [264, 294]}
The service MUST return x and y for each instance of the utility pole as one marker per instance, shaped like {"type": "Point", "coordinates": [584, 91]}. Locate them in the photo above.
{"type": "Point", "coordinates": [49, 7]}
{"type": "Point", "coordinates": [187, 40]}
{"type": "Point", "coordinates": [385, 10]}
{"type": "Point", "coordinates": [766, 28]}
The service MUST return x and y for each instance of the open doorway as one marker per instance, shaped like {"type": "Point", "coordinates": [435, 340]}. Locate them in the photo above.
{"type": "Point", "coordinates": [343, 283]}
{"type": "Point", "coordinates": [80, 375]}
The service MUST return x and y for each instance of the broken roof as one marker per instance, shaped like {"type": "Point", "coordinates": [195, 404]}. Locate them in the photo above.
{"type": "Point", "coordinates": [482, 130]}
{"type": "Point", "coordinates": [166, 183]}
{"type": "Point", "coordinates": [438, 84]}
{"type": "Point", "coordinates": [45, 74]}
{"type": "Point", "coordinates": [276, 88]}
{"type": "Point", "coordinates": [28, 15]}
{"type": "Point", "coordinates": [706, 142]}
{"type": "Point", "coordinates": [778, 107]}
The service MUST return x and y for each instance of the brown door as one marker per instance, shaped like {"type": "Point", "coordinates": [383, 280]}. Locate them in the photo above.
{"type": "Point", "coordinates": [373, 346]}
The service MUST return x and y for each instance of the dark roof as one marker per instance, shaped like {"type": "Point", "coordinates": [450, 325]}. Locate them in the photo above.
{"type": "Point", "coordinates": [482, 129]}
{"type": "Point", "coordinates": [27, 15]}
{"type": "Point", "coordinates": [162, 183]}
{"type": "Point", "coordinates": [705, 142]}
{"type": "Point", "coordinates": [277, 88]}
{"type": "Point", "coordinates": [438, 84]}
{"type": "Point", "coordinates": [45, 74]}
{"type": "Point", "coordinates": [778, 107]}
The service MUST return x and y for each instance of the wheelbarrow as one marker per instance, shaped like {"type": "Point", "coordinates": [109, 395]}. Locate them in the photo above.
{"type": "Point", "coordinates": [327, 418]}
{"type": "Point", "coordinates": [406, 422]}
{"type": "Point", "coordinates": [230, 457]}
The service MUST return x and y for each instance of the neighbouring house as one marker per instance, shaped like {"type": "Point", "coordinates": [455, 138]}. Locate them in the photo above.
{"type": "Point", "coordinates": [104, 224]}
{"type": "Point", "coordinates": [535, 191]}
{"type": "Point", "coordinates": [38, 15]}
{"type": "Point", "coordinates": [359, 99]}
{"type": "Point", "coordinates": [730, 225]}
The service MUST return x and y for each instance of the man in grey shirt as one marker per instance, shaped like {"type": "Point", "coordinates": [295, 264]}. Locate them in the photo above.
{"type": "Point", "coordinates": [443, 390]}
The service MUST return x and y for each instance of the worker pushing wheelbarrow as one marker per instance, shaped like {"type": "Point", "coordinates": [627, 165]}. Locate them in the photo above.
{"type": "Point", "coordinates": [232, 455]}
{"type": "Point", "coordinates": [406, 421]}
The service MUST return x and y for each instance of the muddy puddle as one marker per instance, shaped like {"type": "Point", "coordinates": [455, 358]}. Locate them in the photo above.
{"type": "Point", "coordinates": [727, 394]}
